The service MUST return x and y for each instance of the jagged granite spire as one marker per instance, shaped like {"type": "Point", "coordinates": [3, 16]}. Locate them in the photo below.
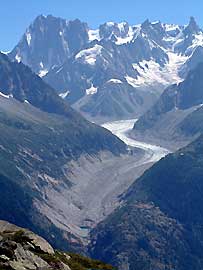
{"type": "Point", "coordinates": [192, 27]}
{"type": "Point", "coordinates": [146, 23]}
{"type": "Point", "coordinates": [48, 41]}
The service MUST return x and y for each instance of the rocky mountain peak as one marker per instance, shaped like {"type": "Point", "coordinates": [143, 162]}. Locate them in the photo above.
{"type": "Point", "coordinates": [192, 27]}
{"type": "Point", "coordinates": [72, 57]}
{"type": "Point", "coordinates": [146, 23]}
{"type": "Point", "coordinates": [153, 31]}
{"type": "Point", "coordinates": [109, 29]}
{"type": "Point", "coordinates": [36, 50]}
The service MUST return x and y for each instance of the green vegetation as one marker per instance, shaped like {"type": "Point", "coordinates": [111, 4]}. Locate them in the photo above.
{"type": "Point", "coordinates": [75, 262]}
{"type": "Point", "coordinates": [79, 262]}
{"type": "Point", "coordinates": [18, 237]}
{"type": "Point", "coordinates": [13, 242]}
{"type": "Point", "coordinates": [193, 124]}
{"type": "Point", "coordinates": [160, 224]}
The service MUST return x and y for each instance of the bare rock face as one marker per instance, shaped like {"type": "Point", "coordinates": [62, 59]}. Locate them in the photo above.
{"type": "Point", "coordinates": [35, 49]}
{"type": "Point", "coordinates": [35, 240]}
{"type": "Point", "coordinates": [20, 249]}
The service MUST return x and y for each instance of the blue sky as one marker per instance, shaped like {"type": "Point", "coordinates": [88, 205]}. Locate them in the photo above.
{"type": "Point", "coordinates": [16, 15]}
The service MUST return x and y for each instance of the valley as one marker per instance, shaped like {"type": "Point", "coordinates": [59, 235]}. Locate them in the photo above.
{"type": "Point", "coordinates": [101, 145]}
{"type": "Point", "coordinates": [98, 183]}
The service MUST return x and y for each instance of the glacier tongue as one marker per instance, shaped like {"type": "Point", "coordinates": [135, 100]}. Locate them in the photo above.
{"type": "Point", "coordinates": [121, 129]}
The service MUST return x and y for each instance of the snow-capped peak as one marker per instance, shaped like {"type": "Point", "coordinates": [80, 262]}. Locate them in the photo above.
{"type": "Point", "coordinates": [90, 55]}
{"type": "Point", "coordinates": [122, 26]}
{"type": "Point", "coordinates": [127, 38]}
{"type": "Point", "coordinates": [94, 35]}
{"type": "Point", "coordinates": [155, 22]}
{"type": "Point", "coordinates": [110, 24]}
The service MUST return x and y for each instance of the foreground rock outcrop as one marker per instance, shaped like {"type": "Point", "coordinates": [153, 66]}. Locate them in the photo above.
{"type": "Point", "coordinates": [20, 249]}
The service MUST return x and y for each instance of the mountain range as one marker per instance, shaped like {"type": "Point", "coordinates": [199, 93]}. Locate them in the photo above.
{"type": "Point", "coordinates": [75, 183]}
{"type": "Point", "coordinates": [116, 71]}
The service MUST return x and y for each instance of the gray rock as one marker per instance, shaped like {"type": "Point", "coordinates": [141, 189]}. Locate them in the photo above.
{"type": "Point", "coordinates": [35, 239]}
